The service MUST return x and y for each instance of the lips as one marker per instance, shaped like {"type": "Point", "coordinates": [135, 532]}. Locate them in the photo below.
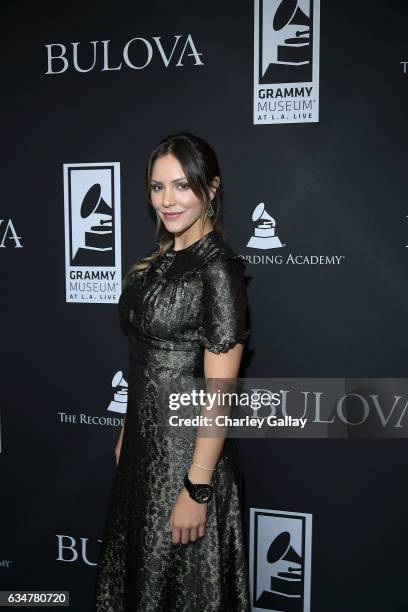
{"type": "Point", "coordinates": [172, 215]}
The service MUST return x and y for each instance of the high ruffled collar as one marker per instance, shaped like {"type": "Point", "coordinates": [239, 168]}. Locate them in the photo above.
{"type": "Point", "coordinates": [192, 248]}
{"type": "Point", "coordinates": [190, 260]}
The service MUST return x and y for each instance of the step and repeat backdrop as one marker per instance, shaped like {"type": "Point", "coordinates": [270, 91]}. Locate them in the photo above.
{"type": "Point", "coordinates": [305, 104]}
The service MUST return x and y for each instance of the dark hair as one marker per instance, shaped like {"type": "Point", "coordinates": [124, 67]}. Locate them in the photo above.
{"type": "Point", "coordinates": [200, 166]}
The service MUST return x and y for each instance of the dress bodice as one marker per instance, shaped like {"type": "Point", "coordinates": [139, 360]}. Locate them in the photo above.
{"type": "Point", "coordinates": [188, 299]}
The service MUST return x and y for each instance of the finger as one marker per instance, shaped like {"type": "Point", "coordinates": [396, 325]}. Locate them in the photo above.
{"type": "Point", "coordinates": [170, 522]}
{"type": "Point", "coordinates": [201, 531]}
{"type": "Point", "coordinates": [185, 536]}
{"type": "Point", "coordinates": [193, 534]}
{"type": "Point", "coordinates": [175, 535]}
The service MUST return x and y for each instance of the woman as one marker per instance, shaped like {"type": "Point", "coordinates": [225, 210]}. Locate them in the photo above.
{"type": "Point", "coordinates": [169, 545]}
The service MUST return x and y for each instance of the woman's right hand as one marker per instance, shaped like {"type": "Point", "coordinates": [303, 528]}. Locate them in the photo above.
{"type": "Point", "coordinates": [119, 446]}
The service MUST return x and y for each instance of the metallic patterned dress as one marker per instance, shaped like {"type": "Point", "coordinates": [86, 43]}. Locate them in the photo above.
{"type": "Point", "coordinates": [184, 301]}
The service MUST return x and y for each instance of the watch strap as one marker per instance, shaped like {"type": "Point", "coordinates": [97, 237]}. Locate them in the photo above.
{"type": "Point", "coordinates": [200, 492]}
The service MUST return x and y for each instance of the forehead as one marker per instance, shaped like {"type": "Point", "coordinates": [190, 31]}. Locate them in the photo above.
{"type": "Point", "coordinates": [167, 168]}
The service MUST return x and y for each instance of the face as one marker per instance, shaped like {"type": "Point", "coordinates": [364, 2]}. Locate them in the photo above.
{"type": "Point", "coordinates": [176, 204]}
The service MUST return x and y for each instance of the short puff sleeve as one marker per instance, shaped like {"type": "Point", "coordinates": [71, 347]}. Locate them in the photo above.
{"type": "Point", "coordinates": [225, 306]}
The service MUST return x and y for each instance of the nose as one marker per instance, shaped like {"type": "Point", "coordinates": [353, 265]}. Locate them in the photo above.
{"type": "Point", "coordinates": [167, 197]}
{"type": "Point", "coordinates": [166, 201]}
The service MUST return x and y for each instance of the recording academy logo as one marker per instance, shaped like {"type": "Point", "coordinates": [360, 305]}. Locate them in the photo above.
{"type": "Point", "coordinates": [119, 401]}
{"type": "Point", "coordinates": [280, 560]}
{"type": "Point", "coordinates": [136, 54]}
{"type": "Point", "coordinates": [92, 233]}
{"type": "Point", "coordinates": [264, 237]}
{"type": "Point", "coordinates": [8, 235]}
{"type": "Point", "coordinates": [118, 404]}
{"type": "Point", "coordinates": [286, 61]}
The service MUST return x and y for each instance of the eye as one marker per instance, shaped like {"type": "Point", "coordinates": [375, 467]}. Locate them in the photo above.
{"type": "Point", "coordinates": [155, 187]}
{"type": "Point", "coordinates": [184, 186]}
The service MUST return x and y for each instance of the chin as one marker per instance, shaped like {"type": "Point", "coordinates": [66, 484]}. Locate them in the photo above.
{"type": "Point", "coordinates": [176, 226]}
{"type": "Point", "coordinates": [173, 226]}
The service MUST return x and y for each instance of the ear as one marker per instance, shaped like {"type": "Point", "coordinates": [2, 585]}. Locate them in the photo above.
{"type": "Point", "coordinates": [214, 186]}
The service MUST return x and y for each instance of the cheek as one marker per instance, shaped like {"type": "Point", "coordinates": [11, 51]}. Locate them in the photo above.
{"type": "Point", "coordinates": [188, 200]}
{"type": "Point", "coordinates": [155, 198]}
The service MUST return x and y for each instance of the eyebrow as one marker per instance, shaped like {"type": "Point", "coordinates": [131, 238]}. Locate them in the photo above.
{"type": "Point", "coordinates": [183, 178]}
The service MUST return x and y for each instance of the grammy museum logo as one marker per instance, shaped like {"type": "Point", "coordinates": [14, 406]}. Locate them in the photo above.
{"type": "Point", "coordinates": [280, 555]}
{"type": "Point", "coordinates": [286, 61]}
{"type": "Point", "coordinates": [92, 233]}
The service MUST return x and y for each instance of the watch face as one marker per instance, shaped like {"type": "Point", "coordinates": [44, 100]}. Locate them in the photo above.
{"type": "Point", "coordinates": [202, 494]}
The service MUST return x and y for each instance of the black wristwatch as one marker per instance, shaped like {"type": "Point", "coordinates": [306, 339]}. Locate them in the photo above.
{"type": "Point", "coordinates": [201, 493]}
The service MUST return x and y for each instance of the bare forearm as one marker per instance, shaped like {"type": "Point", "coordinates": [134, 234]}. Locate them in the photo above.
{"type": "Point", "coordinates": [209, 444]}
{"type": "Point", "coordinates": [206, 452]}
{"type": "Point", "coordinates": [220, 375]}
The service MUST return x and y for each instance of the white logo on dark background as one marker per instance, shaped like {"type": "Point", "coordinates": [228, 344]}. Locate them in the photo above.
{"type": "Point", "coordinates": [71, 550]}
{"type": "Point", "coordinates": [119, 402]}
{"type": "Point", "coordinates": [280, 560]}
{"type": "Point", "coordinates": [264, 233]}
{"type": "Point", "coordinates": [136, 54]}
{"type": "Point", "coordinates": [92, 232]}
{"type": "Point", "coordinates": [8, 235]}
{"type": "Point", "coordinates": [286, 61]}
{"type": "Point", "coordinates": [263, 237]}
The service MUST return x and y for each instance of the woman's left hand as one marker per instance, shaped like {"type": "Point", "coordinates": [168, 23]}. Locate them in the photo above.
{"type": "Point", "coordinates": [187, 519]}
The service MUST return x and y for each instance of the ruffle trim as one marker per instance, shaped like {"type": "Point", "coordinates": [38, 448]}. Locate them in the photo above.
{"type": "Point", "coordinates": [217, 255]}
{"type": "Point", "coordinates": [155, 266]}
{"type": "Point", "coordinates": [137, 275]}
{"type": "Point", "coordinates": [224, 346]}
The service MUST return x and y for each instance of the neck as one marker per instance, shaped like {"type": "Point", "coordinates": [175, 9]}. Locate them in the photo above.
{"type": "Point", "coordinates": [190, 235]}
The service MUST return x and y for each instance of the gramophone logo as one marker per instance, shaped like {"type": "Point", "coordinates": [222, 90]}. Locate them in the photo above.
{"type": "Point", "coordinates": [119, 402]}
{"type": "Point", "coordinates": [280, 560]}
{"type": "Point", "coordinates": [264, 236]}
{"type": "Point", "coordinates": [92, 232]}
{"type": "Point", "coordinates": [267, 245]}
{"type": "Point", "coordinates": [286, 61]}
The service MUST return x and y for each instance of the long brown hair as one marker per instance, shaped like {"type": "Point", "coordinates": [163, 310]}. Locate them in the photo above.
{"type": "Point", "coordinates": [200, 165]}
